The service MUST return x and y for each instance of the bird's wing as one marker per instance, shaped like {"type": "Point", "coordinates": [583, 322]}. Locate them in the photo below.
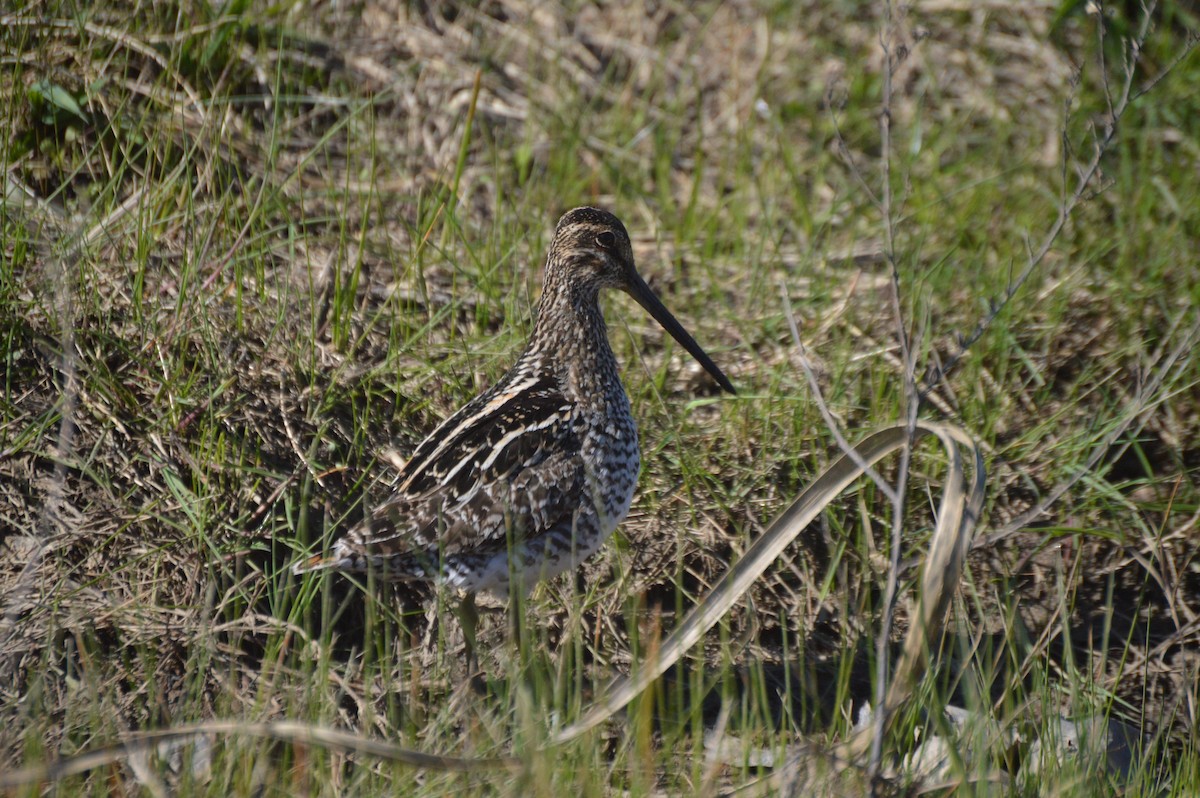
{"type": "Point", "coordinates": [506, 466]}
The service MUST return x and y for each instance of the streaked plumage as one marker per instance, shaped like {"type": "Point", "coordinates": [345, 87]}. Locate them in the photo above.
{"type": "Point", "coordinates": [542, 466]}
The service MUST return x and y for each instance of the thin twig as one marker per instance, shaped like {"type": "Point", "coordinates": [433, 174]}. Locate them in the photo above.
{"type": "Point", "coordinates": [912, 400]}
{"type": "Point", "coordinates": [935, 373]}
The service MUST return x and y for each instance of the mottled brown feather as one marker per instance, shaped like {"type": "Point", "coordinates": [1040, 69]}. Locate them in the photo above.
{"type": "Point", "coordinates": [497, 493]}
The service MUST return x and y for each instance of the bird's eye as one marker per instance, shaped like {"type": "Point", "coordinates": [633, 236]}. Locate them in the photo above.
{"type": "Point", "coordinates": [606, 239]}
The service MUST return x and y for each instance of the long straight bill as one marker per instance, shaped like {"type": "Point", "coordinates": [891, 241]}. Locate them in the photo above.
{"type": "Point", "coordinates": [646, 298]}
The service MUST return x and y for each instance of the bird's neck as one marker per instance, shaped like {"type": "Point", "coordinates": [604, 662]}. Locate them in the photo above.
{"type": "Point", "coordinates": [570, 339]}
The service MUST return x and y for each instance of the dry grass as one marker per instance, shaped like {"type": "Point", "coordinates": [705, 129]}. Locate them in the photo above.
{"type": "Point", "coordinates": [220, 319]}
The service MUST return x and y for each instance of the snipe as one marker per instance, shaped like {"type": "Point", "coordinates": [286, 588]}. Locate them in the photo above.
{"type": "Point", "coordinates": [532, 476]}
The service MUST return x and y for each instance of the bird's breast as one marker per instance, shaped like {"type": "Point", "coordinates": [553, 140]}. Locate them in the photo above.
{"type": "Point", "coordinates": [611, 460]}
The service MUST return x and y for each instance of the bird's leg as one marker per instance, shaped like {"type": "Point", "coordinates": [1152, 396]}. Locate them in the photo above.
{"type": "Point", "coordinates": [516, 605]}
{"type": "Point", "coordinates": [468, 618]}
